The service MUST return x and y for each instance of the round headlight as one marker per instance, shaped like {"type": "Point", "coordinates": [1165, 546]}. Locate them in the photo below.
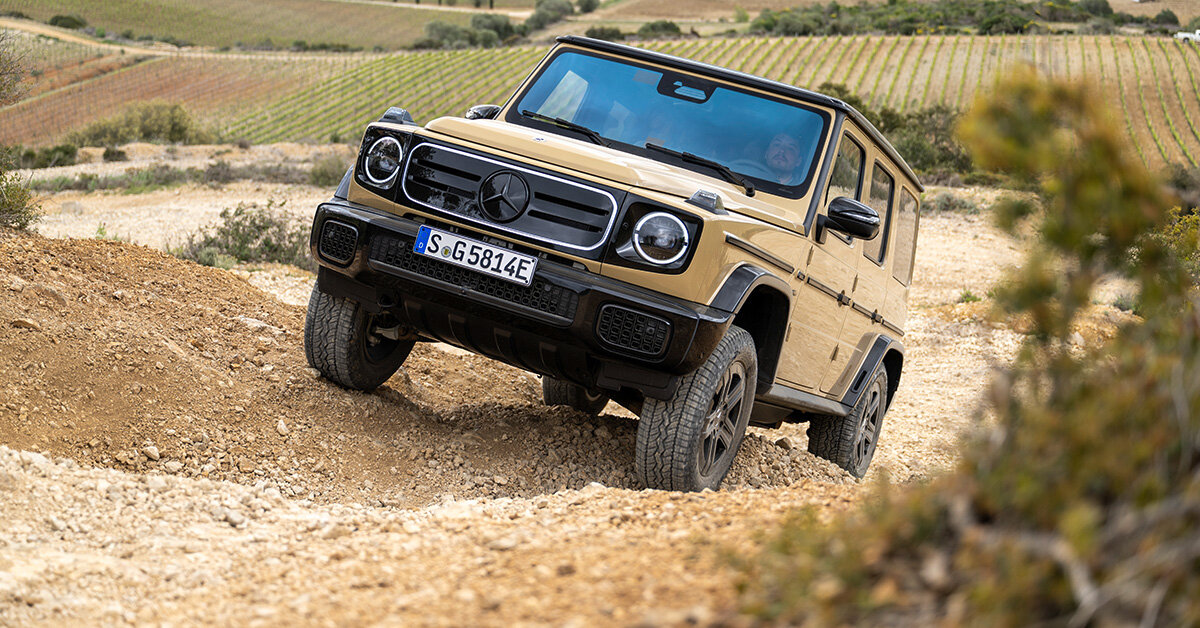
{"type": "Point", "coordinates": [382, 161]}
{"type": "Point", "coordinates": [660, 238]}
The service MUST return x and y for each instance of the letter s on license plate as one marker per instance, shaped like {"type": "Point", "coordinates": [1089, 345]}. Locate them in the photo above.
{"type": "Point", "coordinates": [485, 258]}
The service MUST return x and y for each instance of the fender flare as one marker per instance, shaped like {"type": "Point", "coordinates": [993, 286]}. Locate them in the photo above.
{"type": "Point", "coordinates": [882, 347]}
{"type": "Point", "coordinates": [742, 282]}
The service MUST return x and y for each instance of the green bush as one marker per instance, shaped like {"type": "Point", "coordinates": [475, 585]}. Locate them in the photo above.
{"type": "Point", "coordinates": [250, 233]}
{"type": "Point", "coordinates": [18, 208]}
{"type": "Point", "coordinates": [36, 158]}
{"type": "Point", "coordinates": [947, 202]}
{"type": "Point", "coordinates": [73, 22]}
{"type": "Point", "coordinates": [659, 28]}
{"type": "Point", "coordinates": [112, 153]}
{"type": "Point", "coordinates": [607, 33]}
{"type": "Point", "coordinates": [1099, 8]}
{"type": "Point", "coordinates": [1166, 17]}
{"type": "Point", "coordinates": [145, 122]}
{"type": "Point", "coordinates": [587, 6]}
{"type": "Point", "coordinates": [1193, 25]}
{"type": "Point", "coordinates": [1078, 504]}
{"type": "Point", "coordinates": [547, 12]}
{"type": "Point", "coordinates": [327, 171]}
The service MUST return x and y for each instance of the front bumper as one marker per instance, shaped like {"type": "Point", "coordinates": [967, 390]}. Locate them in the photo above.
{"type": "Point", "coordinates": [569, 323]}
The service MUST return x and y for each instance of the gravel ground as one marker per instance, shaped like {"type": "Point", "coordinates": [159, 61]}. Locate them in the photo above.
{"type": "Point", "coordinates": [192, 469]}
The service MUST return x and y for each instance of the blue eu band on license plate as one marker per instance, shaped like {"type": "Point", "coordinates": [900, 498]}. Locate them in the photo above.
{"type": "Point", "coordinates": [478, 256]}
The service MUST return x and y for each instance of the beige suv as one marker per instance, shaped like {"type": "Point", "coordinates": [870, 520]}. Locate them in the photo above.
{"type": "Point", "coordinates": [709, 249]}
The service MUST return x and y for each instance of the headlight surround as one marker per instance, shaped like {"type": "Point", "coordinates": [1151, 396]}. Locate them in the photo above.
{"type": "Point", "coordinates": [660, 238]}
{"type": "Point", "coordinates": [381, 163]}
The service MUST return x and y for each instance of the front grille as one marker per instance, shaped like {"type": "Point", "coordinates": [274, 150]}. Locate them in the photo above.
{"type": "Point", "coordinates": [540, 295]}
{"type": "Point", "coordinates": [338, 241]}
{"type": "Point", "coordinates": [559, 211]}
{"type": "Point", "coordinates": [633, 330]}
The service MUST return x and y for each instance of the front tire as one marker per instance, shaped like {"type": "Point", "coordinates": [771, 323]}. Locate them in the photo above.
{"type": "Point", "coordinates": [350, 346]}
{"type": "Point", "coordinates": [849, 442]}
{"type": "Point", "coordinates": [557, 392]}
{"type": "Point", "coordinates": [689, 442]}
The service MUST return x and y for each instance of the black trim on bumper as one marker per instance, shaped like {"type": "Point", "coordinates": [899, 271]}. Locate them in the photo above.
{"type": "Point", "coordinates": [507, 324]}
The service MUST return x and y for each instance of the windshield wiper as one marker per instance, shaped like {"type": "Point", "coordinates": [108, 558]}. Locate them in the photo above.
{"type": "Point", "coordinates": [721, 168]}
{"type": "Point", "coordinates": [567, 124]}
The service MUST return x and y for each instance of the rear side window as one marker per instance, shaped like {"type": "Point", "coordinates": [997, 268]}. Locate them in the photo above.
{"type": "Point", "coordinates": [882, 188]}
{"type": "Point", "coordinates": [906, 238]}
{"type": "Point", "coordinates": [847, 171]}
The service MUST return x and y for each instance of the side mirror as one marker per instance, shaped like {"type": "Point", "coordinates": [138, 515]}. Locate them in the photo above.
{"type": "Point", "coordinates": [850, 217]}
{"type": "Point", "coordinates": [482, 112]}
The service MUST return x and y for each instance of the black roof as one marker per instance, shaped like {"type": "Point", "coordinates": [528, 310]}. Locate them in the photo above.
{"type": "Point", "coordinates": [767, 85]}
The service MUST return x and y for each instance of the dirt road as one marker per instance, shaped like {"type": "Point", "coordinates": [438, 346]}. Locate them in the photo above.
{"type": "Point", "coordinates": [192, 469]}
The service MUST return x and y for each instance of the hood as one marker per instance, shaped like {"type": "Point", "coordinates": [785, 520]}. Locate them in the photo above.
{"type": "Point", "coordinates": [621, 168]}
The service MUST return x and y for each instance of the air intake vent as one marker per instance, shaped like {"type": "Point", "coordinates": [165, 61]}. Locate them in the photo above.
{"type": "Point", "coordinates": [632, 330]}
{"type": "Point", "coordinates": [338, 242]}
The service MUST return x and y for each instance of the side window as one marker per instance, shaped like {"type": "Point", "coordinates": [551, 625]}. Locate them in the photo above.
{"type": "Point", "coordinates": [880, 199]}
{"type": "Point", "coordinates": [847, 171]}
{"type": "Point", "coordinates": [906, 238]}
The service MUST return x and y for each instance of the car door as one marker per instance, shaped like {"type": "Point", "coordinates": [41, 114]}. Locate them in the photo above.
{"type": "Point", "coordinates": [869, 293]}
{"type": "Point", "coordinates": [829, 270]}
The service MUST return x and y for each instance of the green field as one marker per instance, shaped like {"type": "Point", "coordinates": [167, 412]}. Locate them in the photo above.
{"type": "Point", "coordinates": [221, 23]}
{"type": "Point", "coordinates": [1153, 83]}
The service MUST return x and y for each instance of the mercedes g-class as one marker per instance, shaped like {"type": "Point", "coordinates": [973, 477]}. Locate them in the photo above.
{"type": "Point", "coordinates": [707, 248]}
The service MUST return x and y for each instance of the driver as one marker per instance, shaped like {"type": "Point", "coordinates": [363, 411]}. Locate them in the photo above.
{"type": "Point", "coordinates": [782, 157]}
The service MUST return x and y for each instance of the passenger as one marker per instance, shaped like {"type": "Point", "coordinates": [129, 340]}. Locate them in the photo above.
{"type": "Point", "coordinates": [782, 158]}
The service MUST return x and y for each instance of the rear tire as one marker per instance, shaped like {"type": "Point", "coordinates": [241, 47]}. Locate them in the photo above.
{"type": "Point", "coordinates": [689, 442]}
{"type": "Point", "coordinates": [557, 392]}
{"type": "Point", "coordinates": [349, 345]}
{"type": "Point", "coordinates": [849, 441]}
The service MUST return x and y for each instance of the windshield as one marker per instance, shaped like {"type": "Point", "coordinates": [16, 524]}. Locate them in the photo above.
{"type": "Point", "coordinates": [771, 141]}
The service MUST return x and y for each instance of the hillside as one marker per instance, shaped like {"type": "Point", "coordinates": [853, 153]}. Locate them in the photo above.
{"type": "Point", "coordinates": [195, 471]}
{"type": "Point", "coordinates": [270, 98]}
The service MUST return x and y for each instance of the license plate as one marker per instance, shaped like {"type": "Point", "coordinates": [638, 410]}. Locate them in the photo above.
{"type": "Point", "coordinates": [485, 258]}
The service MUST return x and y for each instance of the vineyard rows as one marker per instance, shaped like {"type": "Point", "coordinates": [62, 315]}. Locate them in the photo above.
{"type": "Point", "coordinates": [1151, 82]}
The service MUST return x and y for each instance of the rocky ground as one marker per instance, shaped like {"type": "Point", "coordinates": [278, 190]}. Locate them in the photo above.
{"type": "Point", "coordinates": [190, 468]}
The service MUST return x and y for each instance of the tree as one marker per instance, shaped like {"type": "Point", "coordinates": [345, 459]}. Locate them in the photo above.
{"type": "Point", "coordinates": [10, 69]}
{"type": "Point", "coordinates": [1099, 8]}
{"type": "Point", "coordinates": [1167, 17]}
{"type": "Point", "coordinates": [1077, 503]}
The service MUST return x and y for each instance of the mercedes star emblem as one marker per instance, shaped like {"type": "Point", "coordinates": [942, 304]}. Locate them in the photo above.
{"type": "Point", "coordinates": [503, 196]}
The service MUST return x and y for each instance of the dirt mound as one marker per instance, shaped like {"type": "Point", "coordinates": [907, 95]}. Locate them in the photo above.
{"type": "Point", "coordinates": [118, 355]}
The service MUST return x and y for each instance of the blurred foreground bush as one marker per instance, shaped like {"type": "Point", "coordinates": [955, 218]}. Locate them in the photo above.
{"type": "Point", "coordinates": [145, 122]}
{"type": "Point", "coordinates": [1080, 505]}
{"type": "Point", "coordinates": [250, 233]}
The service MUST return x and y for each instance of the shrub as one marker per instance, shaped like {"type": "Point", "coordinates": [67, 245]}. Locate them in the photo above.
{"type": "Point", "coordinates": [1099, 8]}
{"type": "Point", "coordinates": [947, 202]}
{"type": "Point", "coordinates": [740, 15]}
{"type": "Point", "coordinates": [659, 28]}
{"type": "Point", "coordinates": [587, 6]}
{"type": "Point", "coordinates": [144, 122]}
{"type": "Point", "coordinates": [49, 157]}
{"type": "Point", "coordinates": [1166, 17]}
{"type": "Point", "coordinates": [327, 171]}
{"type": "Point", "coordinates": [1079, 505]}
{"type": "Point", "coordinates": [547, 12]}
{"type": "Point", "coordinates": [607, 33]}
{"type": "Point", "coordinates": [1193, 25]}
{"type": "Point", "coordinates": [250, 233]}
{"type": "Point", "coordinates": [112, 153]}
{"type": "Point", "coordinates": [968, 297]}
{"type": "Point", "coordinates": [498, 24]}
{"type": "Point", "coordinates": [18, 208]}
{"type": "Point", "coordinates": [73, 22]}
